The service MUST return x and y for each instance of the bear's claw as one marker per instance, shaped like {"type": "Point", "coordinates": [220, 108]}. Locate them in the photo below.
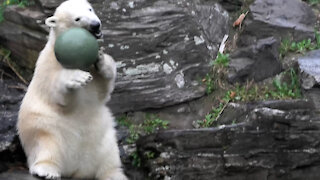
{"type": "Point", "coordinates": [78, 79]}
{"type": "Point", "coordinates": [46, 171]}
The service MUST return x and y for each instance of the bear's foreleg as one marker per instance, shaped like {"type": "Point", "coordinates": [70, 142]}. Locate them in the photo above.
{"type": "Point", "coordinates": [107, 70]}
{"type": "Point", "coordinates": [69, 80]}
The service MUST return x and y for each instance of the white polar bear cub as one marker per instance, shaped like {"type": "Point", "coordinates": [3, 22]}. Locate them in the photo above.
{"type": "Point", "coordinates": [64, 126]}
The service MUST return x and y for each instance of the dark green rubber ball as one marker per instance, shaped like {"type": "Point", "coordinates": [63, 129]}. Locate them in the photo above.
{"type": "Point", "coordinates": [76, 48]}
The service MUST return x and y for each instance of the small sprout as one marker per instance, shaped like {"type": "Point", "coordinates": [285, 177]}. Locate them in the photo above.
{"type": "Point", "coordinates": [136, 160]}
{"type": "Point", "coordinates": [222, 59]}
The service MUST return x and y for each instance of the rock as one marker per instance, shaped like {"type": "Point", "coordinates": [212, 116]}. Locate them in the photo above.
{"type": "Point", "coordinates": [10, 150]}
{"type": "Point", "coordinates": [29, 17]}
{"type": "Point", "coordinates": [161, 52]}
{"type": "Point", "coordinates": [23, 36]}
{"type": "Point", "coordinates": [309, 66]}
{"type": "Point", "coordinates": [180, 116]}
{"type": "Point", "coordinates": [23, 175]}
{"type": "Point", "coordinates": [278, 18]}
{"type": "Point", "coordinates": [313, 95]}
{"type": "Point", "coordinates": [256, 62]}
{"type": "Point", "coordinates": [49, 6]}
{"type": "Point", "coordinates": [237, 113]}
{"type": "Point", "coordinates": [231, 5]}
{"type": "Point", "coordinates": [162, 47]}
{"type": "Point", "coordinates": [268, 144]}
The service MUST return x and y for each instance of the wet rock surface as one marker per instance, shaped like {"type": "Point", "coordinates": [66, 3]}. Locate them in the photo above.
{"type": "Point", "coordinates": [268, 143]}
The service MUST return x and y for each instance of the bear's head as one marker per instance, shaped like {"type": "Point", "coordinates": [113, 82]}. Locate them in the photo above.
{"type": "Point", "coordinates": [75, 13]}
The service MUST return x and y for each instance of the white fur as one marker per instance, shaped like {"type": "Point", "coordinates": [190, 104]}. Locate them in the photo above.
{"type": "Point", "coordinates": [64, 126]}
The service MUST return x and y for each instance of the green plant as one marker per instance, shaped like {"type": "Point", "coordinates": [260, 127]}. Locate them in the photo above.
{"type": "Point", "coordinates": [284, 47]}
{"type": "Point", "coordinates": [209, 82]}
{"type": "Point", "coordinates": [1, 13]}
{"type": "Point", "coordinates": [149, 154]}
{"type": "Point", "coordinates": [317, 35]}
{"type": "Point", "coordinates": [222, 59]}
{"type": "Point", "coordinates": [133, 134]}
{"type": "Point", "coordinates": [302, 46]}
{"type": "Point", "coordinates": [136, 160]}
{"type": "Point", "coordinates": [299, 47]}
{"type": "Point", "coordinates": [123, 121]}
{"type": "Point", "coordinates": [313, 2]}
{"type": "Point", "coordinates": [151, 124]}
{"type": "Point", "coordinates": [218, 72]}
{"type": "Point", "coordinates": [211, 117]}
{"type": "Point", "coordinates": [286, 88]}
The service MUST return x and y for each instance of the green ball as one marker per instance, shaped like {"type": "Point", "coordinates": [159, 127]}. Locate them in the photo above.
{"type": "Point", "coordinates": [76, 48]}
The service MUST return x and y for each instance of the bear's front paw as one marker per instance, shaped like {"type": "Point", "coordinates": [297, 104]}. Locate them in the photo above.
{"type": "Point", "coordinates": [78, 79]}
{"type": "Point", "coordinates": [46, 171]}
{"type": "Point", "coordinates": [106, 65]}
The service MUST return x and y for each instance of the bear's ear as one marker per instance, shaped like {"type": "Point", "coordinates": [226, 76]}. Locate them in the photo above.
{"type": "Point", "coordinates": [51, 21]}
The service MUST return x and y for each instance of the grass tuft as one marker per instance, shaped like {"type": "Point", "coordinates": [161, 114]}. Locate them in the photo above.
{"type": "Point", "coordinates": [151, 124]}
{"type": "Point", "coordinates": [299, 47]}
{"type": "Point", "coordinates": [287, 87]}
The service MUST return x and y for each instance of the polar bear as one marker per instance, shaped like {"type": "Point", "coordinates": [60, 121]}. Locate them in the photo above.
{"type": "Point", "coordinates": [63, 124]}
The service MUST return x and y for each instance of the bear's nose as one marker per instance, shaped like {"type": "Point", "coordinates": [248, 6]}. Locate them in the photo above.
{"type": "Point", "coordinates": [95, 26]}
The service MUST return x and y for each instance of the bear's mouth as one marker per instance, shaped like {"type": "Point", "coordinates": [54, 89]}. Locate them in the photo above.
{"type": "Point", "coordinates": [97, 34]}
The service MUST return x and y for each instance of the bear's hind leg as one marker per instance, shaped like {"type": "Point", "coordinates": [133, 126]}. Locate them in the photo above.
{"type": "Point", "coordinates": [43, 156]}
{"type": "Point", "coordinates": [45, 170]}
{"type": "Point", "coordinates": [110, 165]}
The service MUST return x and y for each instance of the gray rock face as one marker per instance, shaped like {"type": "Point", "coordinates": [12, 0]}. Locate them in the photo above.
{"type": "Point", "coordinates": [10, 98]}
{"type": "Point", "coordinates": [162, 47]}
{"type": "Point", "coordinates": [257, 62]}
{"type": "Point", "coordinates": [280, 18]}
{"type": "Point", "coordinates": [268, 143]}
{"type": "Point", "coordinates": [309, 66]}
{"type": "Point", "coordinates": [24, 35]}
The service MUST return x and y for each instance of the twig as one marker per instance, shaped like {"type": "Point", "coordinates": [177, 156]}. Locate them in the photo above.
{"type": "Point", "coordinates": [7, 74]}
{"type": "Point", "coordinates": [7, 61]}
{"type": "Point", "coordinates": [22, 87]}
{"type": "Point", "coordinates": [224, 106]}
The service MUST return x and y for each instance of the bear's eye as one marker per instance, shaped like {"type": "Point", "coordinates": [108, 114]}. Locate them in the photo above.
{"type": "Point", "coordinates": [90, 9]}
{"type": "Point", "coordinates": [77, 19]}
